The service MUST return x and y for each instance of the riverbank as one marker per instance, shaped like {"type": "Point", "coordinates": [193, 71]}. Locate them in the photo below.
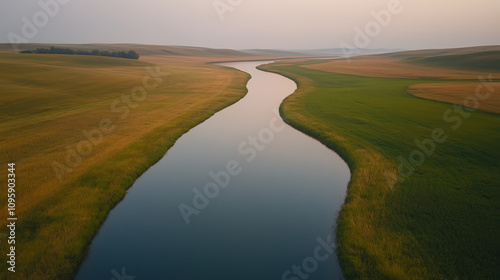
{"type": "Point", "coordinates": [81, 130]}
{"type": "Point", "coordinates": [425, 225]}
{"type": "Point", "coordinates": [217, 190]}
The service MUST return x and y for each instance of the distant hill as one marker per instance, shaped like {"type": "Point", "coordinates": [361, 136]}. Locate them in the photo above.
{"type": "Point", "coordinates": [340, 51]}
{"type": "Point", "coordinates": [141, 49]}
{"type": "Point", "coordinates": [438, 52]}
{"type": "Point", "coordinates": [317, 52]}
{"type": "Point", "coordinates": [274, 52]}
{"type": "Point", "coordinates": [145, 50]}
{"type": "Point", "coordinates": [489, 60]}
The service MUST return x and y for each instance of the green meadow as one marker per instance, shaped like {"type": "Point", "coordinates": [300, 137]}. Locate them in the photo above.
{"type": "Point", "coordinates": [439, 218]}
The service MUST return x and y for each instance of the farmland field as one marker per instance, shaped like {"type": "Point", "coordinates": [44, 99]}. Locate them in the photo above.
{"type": "Point", "coordinates": [80, 130]}
{"type": "Point", "coordinates": [424, 197]}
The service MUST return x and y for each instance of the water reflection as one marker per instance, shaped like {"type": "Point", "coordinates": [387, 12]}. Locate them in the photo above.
{"type": "Point", "coordinates": [265, 220]}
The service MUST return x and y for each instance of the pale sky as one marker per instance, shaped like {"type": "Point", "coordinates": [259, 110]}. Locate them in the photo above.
{"type": "Point", "coordinates": [246, 24]}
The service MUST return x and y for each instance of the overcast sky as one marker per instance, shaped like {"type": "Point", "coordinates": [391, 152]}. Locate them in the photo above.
{"type": "Point", "coordinates": [245, 24]}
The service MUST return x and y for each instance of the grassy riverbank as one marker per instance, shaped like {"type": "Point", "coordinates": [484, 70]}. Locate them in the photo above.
{"type": "Point", "coordinates": [50, 104]}
{"type": "Point", "coordinates": [442, 221]}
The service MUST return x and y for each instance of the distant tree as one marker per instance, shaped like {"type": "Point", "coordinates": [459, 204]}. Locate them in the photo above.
{"type": "Point", "coordinates": [132, 54]}
{"type": "Point", "coordinates": [55, 50]}
{"type": "Point", "coordinates": [42, 50]}
{"type": "Point", "coordinates": [82, 52]}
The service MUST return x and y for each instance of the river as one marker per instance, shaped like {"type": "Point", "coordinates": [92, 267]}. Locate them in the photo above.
{"type": "Point", "coordinates": [241, 196]}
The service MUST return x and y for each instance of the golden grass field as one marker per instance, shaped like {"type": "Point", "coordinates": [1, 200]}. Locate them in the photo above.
{"type": "Point", "coordinates": [456, 93]}
{"type": "Point", "coordinates": [384, 67]}
{"type": "Point", "coordinates": [47, 101]}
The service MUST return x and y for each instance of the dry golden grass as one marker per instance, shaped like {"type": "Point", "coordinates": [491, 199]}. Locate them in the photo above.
{"type": "Point", "coordinates": [46, 102]}
{"type": "Point", "coordinates": [36, 139]}
{"type": "Point", "coordinates": [457, 93]}
{"type": "Point", "coordinates": [382, 67]}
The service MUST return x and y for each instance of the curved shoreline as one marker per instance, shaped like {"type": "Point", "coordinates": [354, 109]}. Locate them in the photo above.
{"type": "Point", "coordinates": [390, 222]}
{"type": "Point", "coordinates": [335, 147]}
{"type": "Point", "coordinates": [327, 186]}
{"type": "Point", "coordinates": [358, 158]}
{"type": "Point", "coordinates": [156, 157]}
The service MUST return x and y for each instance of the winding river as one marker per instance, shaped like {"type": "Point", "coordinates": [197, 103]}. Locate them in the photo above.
{"type": "Point", "coordinates": [240, 196]}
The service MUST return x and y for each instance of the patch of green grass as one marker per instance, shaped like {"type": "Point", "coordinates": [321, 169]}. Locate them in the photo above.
{"type": "Point", "coordinates": [443, 221]}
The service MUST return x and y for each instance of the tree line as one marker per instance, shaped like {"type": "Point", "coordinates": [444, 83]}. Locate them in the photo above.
{"type": "Point", "coordinates": [54, 50]}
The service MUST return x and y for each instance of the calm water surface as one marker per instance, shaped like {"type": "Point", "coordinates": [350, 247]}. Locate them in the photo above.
{"type": "Point", "coordinates": [274, 215]}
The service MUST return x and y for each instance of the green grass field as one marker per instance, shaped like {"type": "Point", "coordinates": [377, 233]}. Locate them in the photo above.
{"type": "Point", "coordinates": [48, 101]}
{"type": "Point", "coordinates": [443, 221]}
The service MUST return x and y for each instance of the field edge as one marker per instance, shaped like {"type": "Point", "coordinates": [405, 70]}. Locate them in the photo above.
{"type": "Point", "coordinates": [366, 166]}
{"type": "Point", "coordinates": [156, 157]}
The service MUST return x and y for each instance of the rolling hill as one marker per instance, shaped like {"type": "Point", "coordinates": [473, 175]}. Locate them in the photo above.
{"type": "Point", "coordinates": [489, 60]}
{"type": "Point", "coordinates": [141, 49]}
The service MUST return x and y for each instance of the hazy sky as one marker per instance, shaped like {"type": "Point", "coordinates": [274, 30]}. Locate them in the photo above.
{"type": "Point", "coordinates": [243, 24]}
